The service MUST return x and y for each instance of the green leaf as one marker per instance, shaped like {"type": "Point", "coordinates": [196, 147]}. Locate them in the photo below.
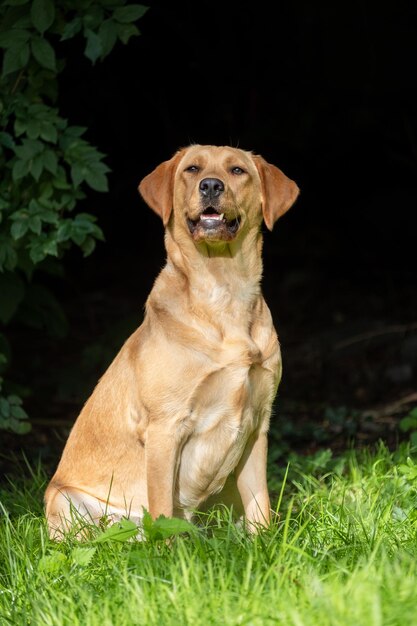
{"type": "Point", "coordinates": [49, 216]}
{"type": "Point", "coordinates": [20, 169]}
{"type": "Point", "coordinates": [86, 217]}
{"type": "Point", "coordinates": [88, 246]}
{"type": "Point", "coordinates": [19, 228]}
{"type": "Point", "coordinates": [170, 526]}
{"type": "Point", "coordinates": [9, 423]}
{"type": "Point", "coordinates": [126, 31]}
{"type": "Point", "coordinates": [77, 174]}
{"type": "Point", "coordinates": [83, 556]}
{"type": "Point", "coordinates": [93, 16]}
{"type": "Point", "coordinates": [60, 181]}
{"type": "Point", "coordinates": [49, 132]}
{"type": "Point", "coordinates": [9, 38]}
{"type": "Point", "coordinates": [120, 531]}
{"type": "Point", "coordinates": [64, 230]}
{"type": "Point", "coordinates": [6, 140]}
{"type": "Point", "coordinates": [164, 527]}
{"type": "Point", "coordinates": [82, 227]}
{"type": "Point", "coordinates": [46, 191]}
{"type": "Point", "coordinates": [29, 148]}
{"type": "Point", "coordinates": [35, 224]}
{"type": "Point", "coordinates": [108, 36]}
{"type": "Point", "coordinates": [50, 161]}
{"type": "Point", "coordinates": [129, 13]}
{"type": "Point", "coordinates": [19, 127]}
{"type": "Point", "coordinates": [37, 252]}
{"type": "Point", "coordinates": [72, 28]}
{"type": "Point", "coordinates": [15, 58]}
{"type": "Point", "coordinates": [4, 204]}
{"type": "Point", "coordinates": [75, 131]}
{"type": "Point", "coordinates": [19, 427]}
{"type": "Point", "coordinates": [93, 49]}
{"type": "Point", "coordinates": [78, 236]}
{"type": "Point", "coordinates": [52, 563]}
{"type": "Point", "coordinates": [8, 256]}
{"type": "Point", "coordinates": [42, 13]}
{"type": "Point", "coordinates": [34, 206]}
{"type": "Point", "coordinates": [17, 412]}
{"type": "Point", "coordinates": [44, 53]}
{"type": "Point", "coordinates": [33, 129]}
{"type": "Point", "coordinates": [96, 180]}
{"type": "Point", "coordinates": [12, 291]}
{"type": "Point", "coordinates": [12, 399]}
{"type": "Point", "coordinates": [408, 423]}
{"type": "Point", "coordinates": [36, 166]}
{"type": "Point", "coordinates": [51, 247]}
{"type": "Point", "coordinates": [4, 408]}
{"type": "Point", "coordinates": [409, 470]}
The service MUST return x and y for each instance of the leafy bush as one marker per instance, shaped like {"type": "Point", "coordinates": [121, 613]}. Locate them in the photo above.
{"type": "Point", "coordinates": [408, 424]}
{"type": "Point", "coordinates": [46, 164]}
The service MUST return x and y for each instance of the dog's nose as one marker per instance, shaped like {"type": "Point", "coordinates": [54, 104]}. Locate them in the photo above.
{"type": "Point", "coordinates": [211, 187]}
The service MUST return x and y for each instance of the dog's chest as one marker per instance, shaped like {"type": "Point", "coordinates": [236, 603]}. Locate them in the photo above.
{"type": "Point", "coordinates": [227, 406]}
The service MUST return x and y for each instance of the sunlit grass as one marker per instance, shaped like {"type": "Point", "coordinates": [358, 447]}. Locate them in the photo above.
{"type": "Point", "coordinates": [341, 551]}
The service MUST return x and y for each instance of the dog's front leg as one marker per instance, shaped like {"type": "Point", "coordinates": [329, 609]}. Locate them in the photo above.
{"type": "Point", "coordinates": [252, 484]}
{"type": "Point", "coordinates": [161, 457]}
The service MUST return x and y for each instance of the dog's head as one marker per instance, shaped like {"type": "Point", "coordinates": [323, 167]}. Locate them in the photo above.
{"type": "Point", "coordinates": [216, 192]}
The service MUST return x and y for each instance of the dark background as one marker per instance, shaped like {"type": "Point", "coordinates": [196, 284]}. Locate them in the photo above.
{"type": "Point", "coordinates": [327, 92]}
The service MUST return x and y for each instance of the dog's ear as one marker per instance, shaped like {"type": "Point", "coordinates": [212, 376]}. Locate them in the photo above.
{"type": "Point", "coordinates": [278, 191]}
{"type": "Point", "coordinates": [157, 188]}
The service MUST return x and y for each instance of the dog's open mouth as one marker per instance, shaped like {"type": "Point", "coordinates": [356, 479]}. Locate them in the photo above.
{"type": "Point", "coordinates": [211, 224]}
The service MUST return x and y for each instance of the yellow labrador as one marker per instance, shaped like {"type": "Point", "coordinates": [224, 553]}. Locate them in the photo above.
{"type": "Point", "coordinates": [179, 420]}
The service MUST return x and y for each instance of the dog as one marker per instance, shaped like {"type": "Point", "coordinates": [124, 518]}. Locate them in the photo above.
{"type": "Point", "coordinates": [179, 420]}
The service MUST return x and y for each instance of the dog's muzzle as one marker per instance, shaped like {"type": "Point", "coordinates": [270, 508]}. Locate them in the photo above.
{"type": "Point", "coordinates": [213, 226]}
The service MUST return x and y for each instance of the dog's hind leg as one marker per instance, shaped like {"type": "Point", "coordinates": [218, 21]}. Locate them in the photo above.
{"type": "Point", "coordinates": [68, 508]}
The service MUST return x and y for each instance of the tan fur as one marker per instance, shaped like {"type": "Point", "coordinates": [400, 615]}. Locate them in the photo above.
{"type": "Point", "coordinates": [179, 420]}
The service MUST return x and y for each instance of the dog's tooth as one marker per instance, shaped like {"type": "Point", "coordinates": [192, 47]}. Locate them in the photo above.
{"type": "Point", "coordinates": [211, 217]}
{"type": "Point", "coordinates": [221, 216]}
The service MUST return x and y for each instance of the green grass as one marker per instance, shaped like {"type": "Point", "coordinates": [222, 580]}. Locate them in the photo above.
{"type": "Point", "coordinates": [342, 551]}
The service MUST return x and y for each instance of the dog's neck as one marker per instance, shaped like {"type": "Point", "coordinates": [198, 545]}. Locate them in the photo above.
{"type": "Point", "coordinates": [227, 276]}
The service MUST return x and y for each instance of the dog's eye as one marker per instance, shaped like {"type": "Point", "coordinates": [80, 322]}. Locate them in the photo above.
{"type": "Point", "coordinates": [237, 170]}
{"type": "Point", "coordinates": [192, 168]}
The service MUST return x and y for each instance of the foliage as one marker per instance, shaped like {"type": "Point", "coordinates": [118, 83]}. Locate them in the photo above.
{"type": "Point", "coordinates": [341, 550]}
{"type": "Point", "coordinates": [408, 424]}
{"type": "Point", "coordinates": [12, 415]}
{"type": "Point", "coordinates": [46, 163]}
{"type": "Point", "coordinates": [121, 532]}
